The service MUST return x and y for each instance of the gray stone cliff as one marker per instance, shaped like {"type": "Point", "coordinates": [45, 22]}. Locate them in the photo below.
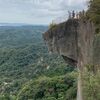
{"type": "Point", "coordinates": [73, 40]}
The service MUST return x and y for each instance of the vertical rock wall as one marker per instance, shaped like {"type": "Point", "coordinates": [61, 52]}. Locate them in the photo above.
{"type": "Point", "coordinates": [85, 33]}
{"type": "Point", "coordinates": [73, 40]}
{"type": "Point", "coordinates": [96, 56]}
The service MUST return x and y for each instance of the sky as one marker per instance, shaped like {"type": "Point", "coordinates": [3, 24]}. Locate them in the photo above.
{"type": "Point", "coordinates": [37, 11]}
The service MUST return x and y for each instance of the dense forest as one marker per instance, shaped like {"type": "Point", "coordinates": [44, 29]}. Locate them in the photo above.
{"type": "Point", "coordinates": [26, 66]}
{"type": "Point", "coordinates": [29, 72]}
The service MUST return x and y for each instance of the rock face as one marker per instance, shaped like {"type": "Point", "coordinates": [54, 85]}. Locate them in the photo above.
{"type": "Point", "coordinates": [73, 40]}
{"type": "Point", "coordinates": [96, 57]}
{"type": "Point", "coordinates": [61, 39]}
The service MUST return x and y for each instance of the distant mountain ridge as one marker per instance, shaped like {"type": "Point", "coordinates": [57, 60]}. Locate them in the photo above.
{"type": "Point", "coordinates": [14, 24]}
{"type": "Point", "coordinates": [20, 24]}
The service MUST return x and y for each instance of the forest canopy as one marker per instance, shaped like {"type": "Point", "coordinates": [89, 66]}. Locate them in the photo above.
{"type": "Point", "coordinates": [94, 13]}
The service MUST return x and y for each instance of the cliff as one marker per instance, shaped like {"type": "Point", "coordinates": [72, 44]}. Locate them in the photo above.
{"type": "Point", "coordinates": [76, 42]}
{"type": "Point", "coordinates": [73, 40]}
{"type": "Point", "coordinates": [96, 57]}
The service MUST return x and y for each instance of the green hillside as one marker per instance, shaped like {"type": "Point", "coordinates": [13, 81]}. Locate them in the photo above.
{"type": "Point", "coordinates": [24, 58]}
{"type": "Point", "coordinates": [46, 88]}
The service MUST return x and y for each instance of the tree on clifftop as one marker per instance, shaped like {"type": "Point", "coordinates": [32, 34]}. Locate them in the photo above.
{"type": "Point", "coordinates": [94, 13]}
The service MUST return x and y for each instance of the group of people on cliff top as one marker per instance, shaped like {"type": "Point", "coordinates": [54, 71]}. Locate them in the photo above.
{"type": "Point", "coordinates": [76, 15]}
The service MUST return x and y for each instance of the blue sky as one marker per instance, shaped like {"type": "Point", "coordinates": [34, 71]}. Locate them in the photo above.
{"type": "Point", "coordinates": [37, 11]}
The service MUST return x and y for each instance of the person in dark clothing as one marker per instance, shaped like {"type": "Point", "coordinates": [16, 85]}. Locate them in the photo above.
{"type": "Point", "coordinates": [73, 14]}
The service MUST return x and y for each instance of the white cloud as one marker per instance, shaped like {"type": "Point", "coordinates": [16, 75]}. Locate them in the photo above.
{"type": "Point", "coordinates": [42, 11]}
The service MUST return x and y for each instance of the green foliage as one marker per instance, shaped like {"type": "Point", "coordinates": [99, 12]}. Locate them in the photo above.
{"type": "Point", "coordinates": [52, 25]}
{"type": "Point", "coordinates": [46, 88]}
{"type": "Point", "coordinates": [91, 85]}
{"type": "Point", "coordinates": [24, 57]}
{"type": "Point", "coordinates": [7, 97]}
{"type": "Point", "coordinates": [94, 13]}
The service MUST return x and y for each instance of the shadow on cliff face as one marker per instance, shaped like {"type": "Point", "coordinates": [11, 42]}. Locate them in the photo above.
{"type": "Point", "coordinates": [70, 61]}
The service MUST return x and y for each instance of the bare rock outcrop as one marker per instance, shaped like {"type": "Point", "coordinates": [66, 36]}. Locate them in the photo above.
{"type": "Point", "coordinates": [73, 40]}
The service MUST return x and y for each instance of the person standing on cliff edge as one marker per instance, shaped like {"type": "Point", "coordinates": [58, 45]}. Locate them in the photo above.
{"type": "Point", "coordinates": [73, 14]}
